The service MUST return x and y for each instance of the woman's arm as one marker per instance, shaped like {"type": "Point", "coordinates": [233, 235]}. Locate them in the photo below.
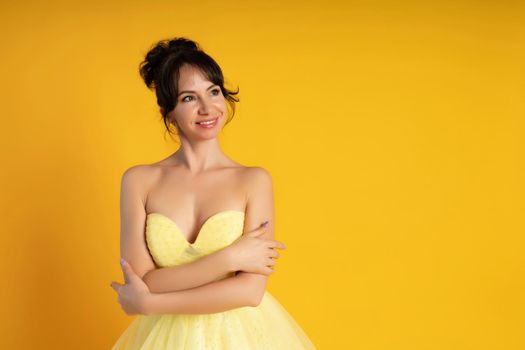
{"type": "Point", "coordinates": [197, 273]}
{"type": "Point", "coordinates": [243, 289]}
{"type": "Point", "coordinates": [222, 295]}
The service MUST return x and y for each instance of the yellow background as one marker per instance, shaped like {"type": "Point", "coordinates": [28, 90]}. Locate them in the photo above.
{"type": "Point", "coordinates": [393, 132]}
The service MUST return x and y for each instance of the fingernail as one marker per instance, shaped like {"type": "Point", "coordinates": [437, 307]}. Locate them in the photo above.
{"type": "Point", "coordinates": [121, 262]}
{"type": "Point", "coordinates": [265, 224]}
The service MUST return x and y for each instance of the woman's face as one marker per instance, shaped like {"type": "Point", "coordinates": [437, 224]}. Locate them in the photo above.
{"type": "Point", "coordinates": [198, 100]}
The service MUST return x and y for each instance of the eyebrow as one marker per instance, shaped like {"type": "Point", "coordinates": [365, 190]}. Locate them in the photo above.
{"type": "Point", "coordinates": [209, 87]}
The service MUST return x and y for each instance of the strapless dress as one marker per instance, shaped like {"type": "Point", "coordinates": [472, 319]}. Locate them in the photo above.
{"type": "Point", "coordinates": [267, 326]}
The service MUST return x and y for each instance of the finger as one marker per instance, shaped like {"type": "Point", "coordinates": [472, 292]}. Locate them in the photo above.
{"type": "Point", "coordinates": [269, 271]}
{"type": "Point", "coordinates": [116, 286]}
{"type": "Point", "coordinates": [263, 226]}
{"type": "Point", "coordinates": [261, 231]}
{"type": "Point", "coordinates": [266, 272]}
{"type": "Point", "coordinates": [130, 273]}
{"type": "Point", "coordinates": [124, 270]}
{"type": "Point", "coordinates": [270, 262]}
{"type": "Point", "coordinates": [257, 232]}
{"type": "Point", "coordinates": [274, 253]}
{"type": "Point", "coordinates": [276, 244]}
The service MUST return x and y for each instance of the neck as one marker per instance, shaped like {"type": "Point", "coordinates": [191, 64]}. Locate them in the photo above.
{"type": "Point", "coordinates": [199, 156]}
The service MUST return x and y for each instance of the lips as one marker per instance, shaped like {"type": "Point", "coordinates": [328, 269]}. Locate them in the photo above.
{"type": "Point", "coordinates": [206, 120]}
{"type": "Point", "coordinates": [207, 123]}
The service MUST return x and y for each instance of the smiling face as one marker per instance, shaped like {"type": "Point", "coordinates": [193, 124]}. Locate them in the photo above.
{"type": "Point", "coordinates": [198, 100]}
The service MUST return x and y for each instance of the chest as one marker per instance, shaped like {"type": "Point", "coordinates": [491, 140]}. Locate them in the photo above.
{"type": "Point", "coordinates": [190, 201]}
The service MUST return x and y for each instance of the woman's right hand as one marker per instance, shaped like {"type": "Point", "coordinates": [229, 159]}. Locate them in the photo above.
{"type": "Point", "coordinates": [251, 253]}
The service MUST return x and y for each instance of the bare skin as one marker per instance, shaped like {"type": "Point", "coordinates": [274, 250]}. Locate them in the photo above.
{"type": "Point", "coordinates": [189, 186]}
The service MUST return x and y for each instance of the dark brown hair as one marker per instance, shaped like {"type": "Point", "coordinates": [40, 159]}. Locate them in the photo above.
{"type": "Point", "coordinates": [160, 71]}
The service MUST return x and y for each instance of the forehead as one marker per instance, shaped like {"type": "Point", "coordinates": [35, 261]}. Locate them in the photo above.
{"type": "Point", "coordinates": [191, 77]}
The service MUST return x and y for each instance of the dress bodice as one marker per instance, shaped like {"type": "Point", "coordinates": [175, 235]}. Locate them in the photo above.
{"type": "Point", "coordinates": [169, 247]}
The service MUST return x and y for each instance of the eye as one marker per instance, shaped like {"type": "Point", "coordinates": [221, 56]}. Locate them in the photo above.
{"type": "Point", "coordinates": [217, 91]}
{"type": "Point", "coordinates": [184, 98]}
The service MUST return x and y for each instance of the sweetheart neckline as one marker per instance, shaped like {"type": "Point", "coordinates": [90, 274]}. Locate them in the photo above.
{"type": "Point", "coordinates": [202, 226]}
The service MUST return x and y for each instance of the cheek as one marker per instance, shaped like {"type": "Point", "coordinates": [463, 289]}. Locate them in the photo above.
{"type": "Point", "coordinates": [184, 111]}
{"type": "Point", "coordinates": [221, 105]}
{"type": "Point", "coordinates": [181, 107]}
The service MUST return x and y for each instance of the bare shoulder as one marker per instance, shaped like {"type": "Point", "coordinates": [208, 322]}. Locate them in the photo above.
{"type": "Point", "coordinates": [138, 178]}
{"type": "Point", "coordinates": [257, 178]}
{"type": "Point", "coordinates": [138, 173]}
{"type": "Point", "coordinates": [256, 173]}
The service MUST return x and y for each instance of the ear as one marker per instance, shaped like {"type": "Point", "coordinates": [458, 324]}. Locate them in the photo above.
{"type": "Point", "coordinates": [161, 110]}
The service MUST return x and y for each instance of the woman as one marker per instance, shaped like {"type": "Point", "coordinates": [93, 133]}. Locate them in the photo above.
{"type": "Point", "coordinates": [197, 228]}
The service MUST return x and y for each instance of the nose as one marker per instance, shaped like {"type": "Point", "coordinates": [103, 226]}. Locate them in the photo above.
{"type": "Point", "coordinates": [204, 106]}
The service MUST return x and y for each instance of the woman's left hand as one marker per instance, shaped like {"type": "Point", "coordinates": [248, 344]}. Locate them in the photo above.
{"type": "Point", "coordinates": [133, 296]}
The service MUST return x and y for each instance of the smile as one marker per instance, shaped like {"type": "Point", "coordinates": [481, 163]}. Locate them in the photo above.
{"type": "Point", "coordinates": [207, 123]}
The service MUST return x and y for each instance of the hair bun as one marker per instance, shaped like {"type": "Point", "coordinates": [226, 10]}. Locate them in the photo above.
{"type": "Point", "coordinates": [161, 50]}
{"type": "Point", "coordinates": [182, 44]}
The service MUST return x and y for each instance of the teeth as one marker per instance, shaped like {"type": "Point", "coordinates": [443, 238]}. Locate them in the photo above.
{"type": "Point", "coordinates": [208, 122]}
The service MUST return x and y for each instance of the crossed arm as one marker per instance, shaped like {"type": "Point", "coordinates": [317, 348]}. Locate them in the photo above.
{"type": "Point", "coordinates": [194, 274]}
{"type": "Point", "coordinates": [243, 289]}
{"type": "Point", "coordinates": [193, 289]}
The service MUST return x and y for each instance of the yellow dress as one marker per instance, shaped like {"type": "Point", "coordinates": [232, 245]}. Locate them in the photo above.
{"type": "Point", "coordinates": [267, 326]}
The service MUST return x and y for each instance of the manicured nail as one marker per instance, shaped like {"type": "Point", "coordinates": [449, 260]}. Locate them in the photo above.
{"type": "Point", "coordinates": [121, 262]}
{"type": "Point", "coordinates": [265, 224]}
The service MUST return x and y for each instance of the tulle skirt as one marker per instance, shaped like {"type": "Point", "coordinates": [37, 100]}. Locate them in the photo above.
{"type": "Point", "coordinates": [267, 326]}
